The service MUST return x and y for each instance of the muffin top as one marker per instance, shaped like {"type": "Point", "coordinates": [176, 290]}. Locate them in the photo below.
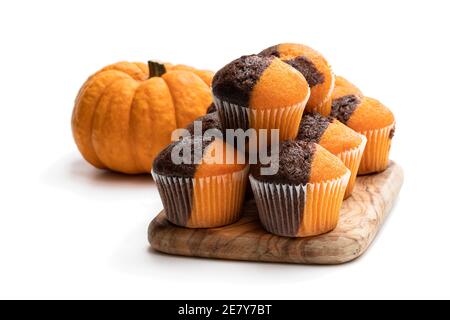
{"type": "Point", "coordinates": [330, 133]}
{"type": "Point", "coordinates": [260, 83]}
{"type": "Point", "coordinates": [312, 126]}
{"type": "Point", "coordinates": [163, 163]}
{"type": "Point", "coordinates": [371, 114]}
{"type": "Point", "coordinates": [208, 121]}
{"type": "Point", "coordinates": [302, 162]}
{"type": "Point", "coordinates": [212, 153]}
{"type": "Point", "coordinates": [362, 114]}
{"type": "Point", "coordinates": [311, 64]}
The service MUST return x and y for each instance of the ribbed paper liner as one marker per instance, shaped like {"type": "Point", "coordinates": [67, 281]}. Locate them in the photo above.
{"type": "Point", "coordinates": [279, 206]}
{"type": "Point", "coordinates": [376, 154]}
{"type": "Point", "coordinates": [287, 119]}
{"type": "Point", "coordinates": [202, 202]}
{"type": "Point", "coordinates": [352, 159]}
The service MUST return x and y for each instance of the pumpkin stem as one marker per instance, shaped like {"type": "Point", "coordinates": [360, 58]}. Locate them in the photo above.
{"type": "Point", "coordinates": [155, 69]}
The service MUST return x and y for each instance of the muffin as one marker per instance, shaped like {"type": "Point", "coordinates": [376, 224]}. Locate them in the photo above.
{"type": "Point", "coordinates": [371, 118]}
{"type": "Point", "coordinates": [340, 140]}
{"type": "Point", "coordinates": [314, 67]}
{"type": "Point", "coordinates": [211, 121]}
{"type": "Point", "coordinates": [261, 93]}
{"type": "Point", "coordinates": [305, 196]}
{"type": "Point", "coordinates": [205, 194]}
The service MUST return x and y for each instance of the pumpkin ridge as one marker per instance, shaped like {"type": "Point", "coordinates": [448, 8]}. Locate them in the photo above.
{"type": "Point", "coordinates": [167, 121]}
{"type": "Point", "coordinates": [94, 118]}
{"type": "Point", "coordinates": [131, 76]}
{"type": "Point", "coordinates": [186, 101]}
{"type": "Point", "coordinates": [142, 160]}
{"type": "Point", "coordinates": [175, 109]}
{"type": "Point", "coordinates": [133, 131]}
{"type": "Point", "coordinates": [105, 90]}
{"type": "Point", "coordinates": [143, 68]}
{"type": "Point", "coordinates": [131, 139]}
{"type": "Point", "coordinates": [123, 67]}
{"type": "Point", "coordinates": [127, 141]}
{"type": "Point", "coordinates": [89, 83]}
{"type": "Point", "coordinates": [76, 110]}
{"type": "Point", "coordinates": [205, 75]}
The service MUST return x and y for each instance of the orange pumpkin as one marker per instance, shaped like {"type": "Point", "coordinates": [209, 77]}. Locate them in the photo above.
{"type": "Point", "coordinates": [125, 113]}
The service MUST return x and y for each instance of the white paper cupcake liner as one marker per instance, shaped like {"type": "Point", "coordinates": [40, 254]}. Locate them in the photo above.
{"type": "Point", "coordinates": [286, 119]}
{"type": "Point", "coordinates": [299, 210]}
{"type": "Point", "coordinates": [376, 153]}
{"type": "Point", "coordinates": [352, 159]}
{"type": "Point", "coordinates": [205, 202]}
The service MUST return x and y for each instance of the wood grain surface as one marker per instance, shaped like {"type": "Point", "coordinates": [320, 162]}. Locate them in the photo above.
{"type": "Point", "coordinates": [362, 215]}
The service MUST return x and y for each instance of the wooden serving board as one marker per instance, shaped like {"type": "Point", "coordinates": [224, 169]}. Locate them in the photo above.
{"type": "Point", "coordinates": [362, 215]}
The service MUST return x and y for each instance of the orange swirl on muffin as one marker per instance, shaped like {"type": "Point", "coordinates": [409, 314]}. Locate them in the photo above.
{"type": "Point", "coordinates": [337, 138]}
{"type": "Point", "coordinates": [204, 195]}
{"type": "Point", "coordinates": [314, 68]}
{"type": "Point", "coordinates": [262, 93]}
{"type": "Point", "coordinates": [305, 196]}
{"type": "Point", "coordinates": [369, 117]}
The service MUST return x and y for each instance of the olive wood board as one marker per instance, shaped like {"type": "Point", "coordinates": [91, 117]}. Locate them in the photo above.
{"type": "Point", "coordinates": [362, 216]}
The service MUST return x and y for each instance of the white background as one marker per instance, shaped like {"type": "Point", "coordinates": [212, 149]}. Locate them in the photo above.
{"type": "Point", "coordinates": [68, 230]}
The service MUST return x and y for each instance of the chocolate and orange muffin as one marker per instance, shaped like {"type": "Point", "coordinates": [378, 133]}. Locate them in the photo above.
{"type": "Point", "coordinates": [374, 120]}
{"type": "Point", "coordinates": [340, 140]}
{"type": "Point", "coordinates": [314, 68]}
{"type": "Point", "coordinates": [200, 194]}
{"type": "Point", "coordinates": [305, 196]}
{"type": "Point", "coordinates": [262, 93]}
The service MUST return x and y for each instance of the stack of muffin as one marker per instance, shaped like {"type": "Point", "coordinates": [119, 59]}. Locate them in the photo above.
{"type": "Point", "coordinates": [329, 133]}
